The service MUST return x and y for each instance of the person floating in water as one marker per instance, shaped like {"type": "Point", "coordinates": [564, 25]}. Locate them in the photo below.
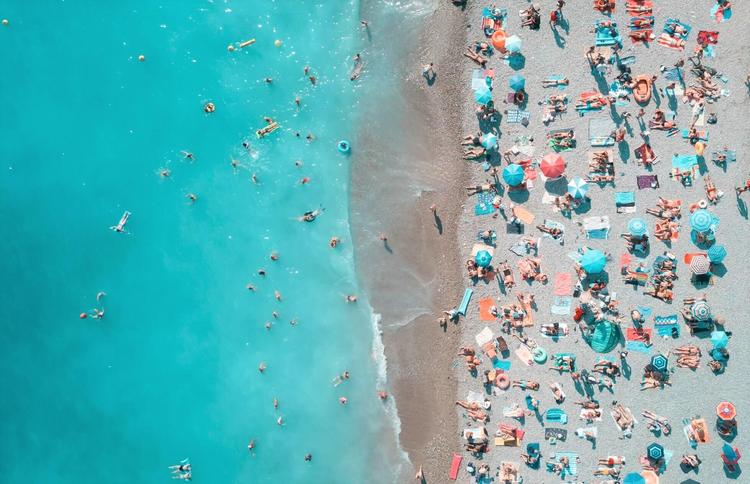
{"type": "Point", "coordinates": [120, 227]}
{"type": "Point", "coordinates": [311, 215]}
{"type": "Point", "coordinates": [341, 378]}
{"type": "Point", "coordinates": [182, 471]}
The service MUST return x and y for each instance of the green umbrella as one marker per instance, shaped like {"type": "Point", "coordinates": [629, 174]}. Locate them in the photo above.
{"type": "Point", "coordinates": [593, 261]}
{"type": "Point", "coordinates": [517, 82]}
{"type": "Point", "coordinates": [719, 339]}
{"type": "Point", "coordinates": [483, 258]}
{"type": "Point", "coordinates": [637, 227]}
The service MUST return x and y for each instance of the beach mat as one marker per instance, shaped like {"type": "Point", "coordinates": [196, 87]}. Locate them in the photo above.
{"type": "Point", "coordinates": [501, 364]}
{"type": "Point", "coordinates": [484, 204]}
{"type": "Point", "coordinates": [647, 181]}
{"type": "Point", "coordinates": [561, 305]}
{"type": "Point", "coordinates": [665, 324]}
{"type": "Point", "coordinates": [484, 309]}
{"type": "Point", "coordinates": [555, 433]}
{"type": "Point", "coordinates": [465, 302]}
{"type": "Point", "coordinates": [563, 284]}
{"type": "Point", "coordinates": [631, 334]}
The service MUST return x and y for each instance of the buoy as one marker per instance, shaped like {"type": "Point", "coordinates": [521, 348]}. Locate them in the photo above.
{"type": "Point", "coordinates": [230, 48]}
{"type": "Point", "coordinates": [539, 355]}
{"type": "Point", "coordinates": [141, 57]}
{"type": "Point", "coordinates": [83, 315]}
{"type": "Point", "coordinates": [277, 43]}
{"type": "Point", "coordinates": [344, 146]}
{"type": "Point", "coordinates": [699, 148]}
{"type": "Point", "coordinates": [502, 381]}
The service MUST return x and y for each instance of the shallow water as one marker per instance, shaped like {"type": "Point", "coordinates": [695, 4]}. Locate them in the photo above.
{"type": "Point", "coordinates": [171, 371]}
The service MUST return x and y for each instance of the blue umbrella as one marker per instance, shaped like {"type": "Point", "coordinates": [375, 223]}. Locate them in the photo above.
{"type": "Point", "coordinates": [513, 43]}
{"type": "Point", "coordinates": [483, 258]}
{"type": "Point", "coordinates": [655, 451]}
{"type": "Point", "coordinates": [593, 261]}
{"type": "Point", "coordinates": [634, 478]}
{"type": "Point", "coordinates": [701, 220]}
{"type": "Point", "coordinates": [513, 175]}
{"type": "Point", "coordinates": [719, 339]}
{"type": "Point", "coordinates": [489, 140]}
{"type": "Point", "coordinates": [637, 227]}
{"type": "Point", "coordinates": [517, 82]}
{"type": "Point", "coordinates": [659, 362]}
{"type": "Point", "coordinates": [483, 95]}
{"type": "Point", "coordinates": [577, 187]}
{"type": "Point", "coordinates": [716, 253]}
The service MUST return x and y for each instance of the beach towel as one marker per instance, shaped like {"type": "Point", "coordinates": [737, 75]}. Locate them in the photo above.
{"type": "Point", "coordinates": [523, 215]}
{"type": "Point", "coordinates": [517, 116]}
{"type": "Point", "coordinates": [722, 16]}
{"type": "Point", "coordinates": [600, 131]}
{"type": "Point", "coordinates": [606, 36]}
{"type": "Point", "coordinates": [669, 28]}
{"type": "Point", "coordinates": [684, 162]}
{"type": "Point", "coordinates": [561, 305]}
{"type": "Point", "coordinates": [555, 433]}
{"type": "Point", "coordinates": [556, 415]}
{"type": "Point", "coordinates": [554, 225]}
{"type": "Point", "coordinates": [731, 155]}
{"type": "Point", "coordinates": [668, 41]}
{"type": "Point", "coordinates": [557, 77]}
{"type": "Point", "coordinates": [484, 204]}
{"type": "Point", "coordinates": [625, 202]}
{"type": "Point", "coordinates": [708, 37]}
{"type": "Point", "coordinates": [702, 134]}
{"type": "Point", "coordinates": [665, 324]}
{"type": "Point", "coordinates": [563, 284]}
{"type": "Point", "coordinates": [525, 356]}
{"type": "Point", "coordinates": [631, 334]}
{"type": "Point", "coordinates": [647, 181]}
{"type": "Point", "coordinates": [572, 468]}
{"type": "Point", "coordinates": [501, 364]}
{"type": "Point", "coordinates": [596, 227]}
{"type": "Point", "coordinates": [483, 337]}
{"type": "Point", "coordinates": [465, 302]}
{"type": "Point", "coordinates": [484, 309]}
{"type": "Point", "coordinates": [673, 74]}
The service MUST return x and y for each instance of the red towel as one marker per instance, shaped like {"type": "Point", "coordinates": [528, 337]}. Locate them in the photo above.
{"type": "Point", "coordinates": [632, 334]}
{"type": "Point", "coordinates": [708, 37]}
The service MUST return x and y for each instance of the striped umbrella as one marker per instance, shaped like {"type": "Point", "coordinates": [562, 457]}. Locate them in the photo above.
{"type": "Point", "coordinates": [700, 265]}
{"type": "Point", "coordinates": [577, 187]}
{"type": "Point", "coordinates": [701, 311]}
{"type": "Point", "coordinates": [637, 227]}
{"type": "Point", "coordinates": [513, 175]}
{"type": "Point", "coordinates": [660, 362]}
{"type": "Point", "coordinates": [717, 253]}
{"type": "Point", "coordinates": [701, 220]}
{"type": "Point", "coordinates": [513, 43]}
{"type": "Point", "coordinates": [726, 411]}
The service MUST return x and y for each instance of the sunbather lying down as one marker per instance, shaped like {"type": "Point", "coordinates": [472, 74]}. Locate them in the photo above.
{"type": "Point", "coordinates": [474, 153]}
{"type": "Point", "coordinates": [486, 187]}
{"type": "Point", "coordinates": [550, 82]}
{"type": "Point", "coordinates": [530, 269]}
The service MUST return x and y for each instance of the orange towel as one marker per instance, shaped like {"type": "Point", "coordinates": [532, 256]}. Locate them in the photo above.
{"type": "Point", "coordinates": [631, 334]}
{"type": "Point", "coordinates": [523, 215]}
{"type": "Point", "coordinates": [484, 309]}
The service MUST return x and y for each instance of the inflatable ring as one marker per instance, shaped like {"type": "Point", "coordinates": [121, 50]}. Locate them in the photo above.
{"type": "Point", "coordinates": [539, 355]}
{"type": "Point", "coordinates": [502, 380]}
{"type": "Point", "coordinates": [344, 146]}
{"type": "Point", "coordinates": [703, 203]}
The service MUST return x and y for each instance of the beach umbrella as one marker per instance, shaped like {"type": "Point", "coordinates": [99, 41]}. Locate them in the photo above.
{"type": "Point", "coordinates": [637, 227]}
{"type": "Point", "coordinates": [517, 82]}
{"type": "Point", "coordinates": [553, 165]}
{"type": "Point", "coordinates": [701, 311]}
{"type": "Point", "coordinates": [513, 175]}
{"type": "Point", "coordinates": [498, 39]}
{"type": "Point", "coordinates": [726, 411]}
{"type": "Point", "coordinates": [483, 258]}
{"type": "Point", "coordinates": [701, 220]}
{"type": "Point", "coordinates": [489, 140]}
{"type": "Point", "coordinates": [659, 362]}
{"type": "Point", "coordinates": [650, 477]}
{"type": "Point", "coordinates": [655, 451]}
{"type": "Point", "coordinates": [719, 339]}
{"type": "Point", "coordinates": [634, 478]}
{"type": "Point", "coordinates": [483, 95]}
{"type": "Point", "coordinates": [513, 44]}
{"type": "Point", "coordinates": [700, 265]}
{"type": "Point", "coordinates": [593, 261]}
{"type": "Point", "coordinates": [577, 187]}
{"type": "Point", "coordinates": [716, 253]}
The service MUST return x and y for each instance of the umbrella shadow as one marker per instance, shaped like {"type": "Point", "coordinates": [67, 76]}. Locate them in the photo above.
{"type": "Point", "coordinates": [742, 207]}
{"type": "Point", "coordinates": [702, 166]}
{"type": "Point", "coordinates": [558, 186]}
{"type": "Point", "coordinates": [719, 270]}
{"type": "Point", "coordinates": [583, 207]}
{"type": "Point", "coordinates": [518, 196]}
{"type": "Point", "coordinates": [656, 97]}
{"type": "Point", "coordinates": [733, 474]}
{"type": "Point", "coordinates": [624, 148]}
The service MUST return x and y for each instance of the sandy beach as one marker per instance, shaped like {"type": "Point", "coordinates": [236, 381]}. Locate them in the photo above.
{"type": "Point", "coordinates": [692, 393]}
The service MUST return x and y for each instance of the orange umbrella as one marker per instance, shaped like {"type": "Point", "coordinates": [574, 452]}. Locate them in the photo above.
{"type": "Point", "coordinates": [553, 165]}
{"type": "Point", "coordinates": [498, 39]}
{"type": "Point", "coordinates": [726, 411]}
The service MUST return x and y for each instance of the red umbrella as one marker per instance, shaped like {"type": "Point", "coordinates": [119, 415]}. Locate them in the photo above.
{"type": "Point", "coordinates": [726, 411]}
{"type": "Point", "coordinates": [553, 165]}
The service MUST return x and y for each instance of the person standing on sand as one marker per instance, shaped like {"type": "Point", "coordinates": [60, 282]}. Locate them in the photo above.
{"type": "Point", "coordinates": [428, 72]}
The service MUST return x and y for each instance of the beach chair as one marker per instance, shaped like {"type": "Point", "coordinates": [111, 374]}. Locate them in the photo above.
{"type": "Point", "coordinates": [465, 302]}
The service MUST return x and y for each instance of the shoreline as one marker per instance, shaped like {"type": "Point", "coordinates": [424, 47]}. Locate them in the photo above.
{"type": "Point", "coordinates": [419, 354]}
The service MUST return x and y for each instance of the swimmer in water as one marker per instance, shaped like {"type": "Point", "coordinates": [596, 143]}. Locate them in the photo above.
{"type": "Point", "coordinates": [254, 178]}
{"type": "Point", "coordinates": [275, 315]}
{"type": "Point", "coordinates": [280, 421]}
{"type": "Point", "coordinates": [310, 216]}
{"type": "Point", "coordinates": [120, 227]}
{"type": "Point", "coordinates": [192, 197]}
{"type": "Point", "coordinates": [188, 155]}
{"type": "Point", "coordinates": [277, 295]}
{"type": "Point", "coordinates": [97, 313]}
{"type": "Point", "coordinates": [313, 80]}
{"type": "Point", "coordinates": [274, 256]}
{"type": "Point", "coordinates": [383, 395]}
{"type": "Point", "coordinates": [164, 172]}
{"type": "Point", "coordinates": [297, 163]}
{"type": "Point", "coordinates": [307, 70]}
{"type": "Point", "coordinates": [351, 298]}
{"type": "Point", "coordinates": [262, 366]}
{"type": "Point", "coordinates": [276, 403]}
{"type": "Point", "coordinates": [297, 101]}
{"type": "Point", "coordinates": [341, 378]}
{"type": "Point", "coordinates": [310, 137]}
{"type": "Point", "coordinates": [293, 321]}
{"type": "Point", "coordinates": [268, 80]}
{"type": "Point", "coordinates": [268, 325]}
{"type": "Point", "coordinates": [250, 287]}
{"type": "Point", "coordinates": [343, 400]}
{"type": "Point", "coordinates": [251, 445]}
{"type": "Point", "coordinates": [308, 457]}
{"type": "Point", "coordinates": [184, 466]}
{"type": "Point", "coordinates": [304, 180]}
{"type": "Point", "coordinates": [334, 242]}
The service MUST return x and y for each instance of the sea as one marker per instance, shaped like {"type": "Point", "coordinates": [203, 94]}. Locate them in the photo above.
{"type": "Point", "coordinates": [170, 373]}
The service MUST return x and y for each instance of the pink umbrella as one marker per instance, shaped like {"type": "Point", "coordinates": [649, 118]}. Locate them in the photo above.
{"type": "Point", "coordinates": [553, 165]}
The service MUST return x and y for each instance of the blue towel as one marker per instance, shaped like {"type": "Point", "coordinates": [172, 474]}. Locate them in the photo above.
{"type": "Point", "coordinates": [625, 198]}
{"type": "Point", "coordinates": [664, 325]}
{"type": "Point", "coordinates": [638, 346]}
{"type": "Point", "coordinates": [484, 204]}
{"type": "Point", "coordinates": [501, 364]}
{"type": "Point", "coordinates": [685, 133]}
{"type": "Point", "coordinates": [684, 162]}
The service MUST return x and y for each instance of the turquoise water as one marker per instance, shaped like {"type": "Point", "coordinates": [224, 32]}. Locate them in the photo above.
{"type": "Point", "coordinates": [171, 371]}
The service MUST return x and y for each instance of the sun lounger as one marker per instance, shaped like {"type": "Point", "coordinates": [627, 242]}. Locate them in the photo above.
{"type": "Point", "coordinates": [465, 302]}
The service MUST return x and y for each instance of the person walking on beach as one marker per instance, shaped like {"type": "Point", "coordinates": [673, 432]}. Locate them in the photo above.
{"type": "Point", "coordinates": [428, 72]}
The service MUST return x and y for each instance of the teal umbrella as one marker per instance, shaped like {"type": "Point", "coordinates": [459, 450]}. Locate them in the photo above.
{"type": "Point", "coordinates": [655, 451]}
{"type": "Point", "coordinates": [593, 261]}
{"type": "Point", "coordinates": [701, 220]}
{"type": "Point", "coordinates": [719, 339]}
{"type": "Point", "coordinates": [637, 227]}
{"type": "Point", "coordinates": [483, 95]}
{"type": "Point", "coordinates": [513, 44]}
{"type": "Point", "coordinates": [483, 258]}
{"type": "Point", "coordinates": [659, 362]}
{"type": "Point", "coordinates": [489, 140]}
{"type": "Point", "coordinates": [717, 253]}
{"type": "Point", "coordinates": [517, 82]}
{"type": "Point", "coordinates": [513, 175]}
{"type": "Point", "coordinates": [577, 187]}
{"type": "Point", "coordinates": [604, 337]}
